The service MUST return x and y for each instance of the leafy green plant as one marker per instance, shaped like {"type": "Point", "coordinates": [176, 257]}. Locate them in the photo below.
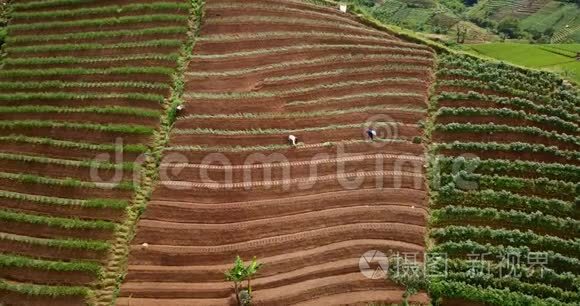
{"type": "Point", "coordinates": [239, 273]}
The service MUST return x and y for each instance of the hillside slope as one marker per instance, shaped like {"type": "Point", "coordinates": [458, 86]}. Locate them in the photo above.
{"type": "Point", "coordinates": [81, 92]}
{"type": "Point", "coordinates": [262, 70]}
{"type": "Point", "coordinates": [505, 176]}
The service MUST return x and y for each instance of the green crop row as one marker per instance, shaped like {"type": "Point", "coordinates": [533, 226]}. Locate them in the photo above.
{"type": "Point", "coordinates": [563, 172]}
{"type": "Point", "coordinates": [46, 3]}
{"type": "Point", "coordinates": [40, 290]}
{"type": "Point", "coordinates": [448, 195]}
{"type": "Point", "coordinates": [491, 296]}
{"type": "Point", "coordinates": [91, 163]}
{"type": "Point", "coordinates": [61, 85]}
{"type": "Point", "coordinates": [105, 10]}
{"type": "Point", "coordinates": [491, 128]}
{"type": "Point", "coordinates": [65, 223]}
{"type": "Point", "coordinates": [62, 60]}
{"type": "Point", "coordinates": [21, 96]}
{"type": "Point", "coordinates": [504, 101]}
{"type": "Point", "coordinates": [84, 71]}
{"type": "Point", "coordinates": [92, 245]}
{"type": "Point", "coordinates": [159, 43]}
{"type": "Point", "coordinates": [489, 80]}
{"type": "Point", "coordinates": [67, 182]}
{"type": "Point", "coordinates": [133, 148]}
{"type": "Point", "coordinates": [512, 237]}
{"type": "Point", "coordinates": [113, 110]}
{"type": "Point", "coordinates": [539, 186]}
{"type": "Point", "coordinates": [101, 22]}
{"type": "Point", "coordinates": [96, 35]}
{"type": "Point", "coordinates": [555, 261]}
{"type": "Point", "coordinates": [511, 114]}
{"type": "Point", "coordinates": [545, 79]}
{"type": "Point", "coordinates": [528, 92]}
{"type": "Point", "coordinates": [508, 147]}
{"type": "Point", "coordinates": [89, 203]}
{"type": "Point", "coordinates": [529, 273]}
{"type": "Point", "coordinates": [110, 128]}
{"type": "Point", "coordinates": [8, 260]}
{"type": "Point", "coordinates": [459, 214]}
{"type": "Point", "coordinates": [515, 285]}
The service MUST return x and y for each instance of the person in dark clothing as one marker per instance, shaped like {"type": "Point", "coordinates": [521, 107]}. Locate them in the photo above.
{"type": "Point", "coordinates": [371, 133]}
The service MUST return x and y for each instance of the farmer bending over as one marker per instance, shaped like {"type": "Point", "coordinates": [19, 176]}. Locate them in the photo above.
{"type": "Point", "coordinates": [292, 139]}
{"type": "Point", "coordinates": [371, 133]}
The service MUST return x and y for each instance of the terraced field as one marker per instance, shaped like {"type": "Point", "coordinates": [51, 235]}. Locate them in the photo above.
{"type": "Point", "coordinates": [473, 159]}
{"type": "Point", "coordinates": [262, 70]}
{"type": "Point", "coordinates": [81, 93]}
{"type": "Point", "coordinates": [505, 185]}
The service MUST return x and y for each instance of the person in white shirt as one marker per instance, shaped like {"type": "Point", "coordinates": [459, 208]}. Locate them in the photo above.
{"type": "Point", "coordinates": [372, 134]}
{"type": "Point", "coordinates": [292, 139]}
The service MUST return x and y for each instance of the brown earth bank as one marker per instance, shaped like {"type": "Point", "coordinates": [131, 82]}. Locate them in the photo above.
{"type": "Point", "coordinates": [173, 257]}
{"type": "Point", "coordinates": [74, 135]}
{"type": "Point", "coordinates": [257, 80]}
{"type": "Point", "coordinates": [395, 132]}
{"type": "Point", "coordinates": [261, 209]}
{"type": "Point", "coordinates": [45, 277]}
{"type": "Point", "coordinates": [82, 90]}
{"type": "Point", "coordinates": [305, 152]}
{"type": "Point", "coordinates": [96, 118]}
{"type": "Point", "coordinates": [354, 115]}
{"type": "Point", "coordinates": [15, 147]}
{"type": "Point", "coordinates": [10, 298]}
{"type": "Point", "coordinates": [271, 41]}
{"type": "Point", "coordinates": [135, 103]}
{"type": "Point", "coordinates": [313, 52]}
{"type": "Point", "coordinates": [112, 77]}
{"type": "Point", "coordinates": [102, 63]}
{"type": "Point", "coordinates": [260, 190]}
{"type": "Point", "coordinates": [260, 171]}
{"type": "Point", "coordinates": [216, 234]}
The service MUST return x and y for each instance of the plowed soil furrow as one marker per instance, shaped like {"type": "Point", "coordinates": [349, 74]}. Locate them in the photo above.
{"type": "Point", "coordinates": [306, 152]}
{"type": "Point", "coordinates": [63, 210]}
{"type": "Point", "coordinates": [57, 190]}
{"type": "Point", "coordinates": [45, 231]}
{"type": "Point", "coordinates": [158, 231]}
{"type": "Point", "coordinates": [232, 212]}
{"type": "Point", "coordinates": [123, 102]}
{"type": "Point", "coordinates": [338, 134]}
{"type": "Point", "coordinates": [312, 52]}
{"type": "Point", "coordinates": [49, 253]}
{"type": "Point", "coordinates": [75, 135]}
{"type": "Point", "coordinates": [350, 116]}
{"type": "Point", "coordinates": [82, 117]}
{"type": "Point", "coordinates": [189, 256]}
{"type": "Point", "coordinates": [231, 185]}
{"type": "Point", "coordinates": [56, 151]}
{"type": "Point", "coordinates": [290, 170]}
{"type": "Point", "coordinates": [44, 277]}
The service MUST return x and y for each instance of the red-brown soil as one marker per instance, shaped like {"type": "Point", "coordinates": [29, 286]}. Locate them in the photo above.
{"type": "Point", "coordinates": [308, 228]}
